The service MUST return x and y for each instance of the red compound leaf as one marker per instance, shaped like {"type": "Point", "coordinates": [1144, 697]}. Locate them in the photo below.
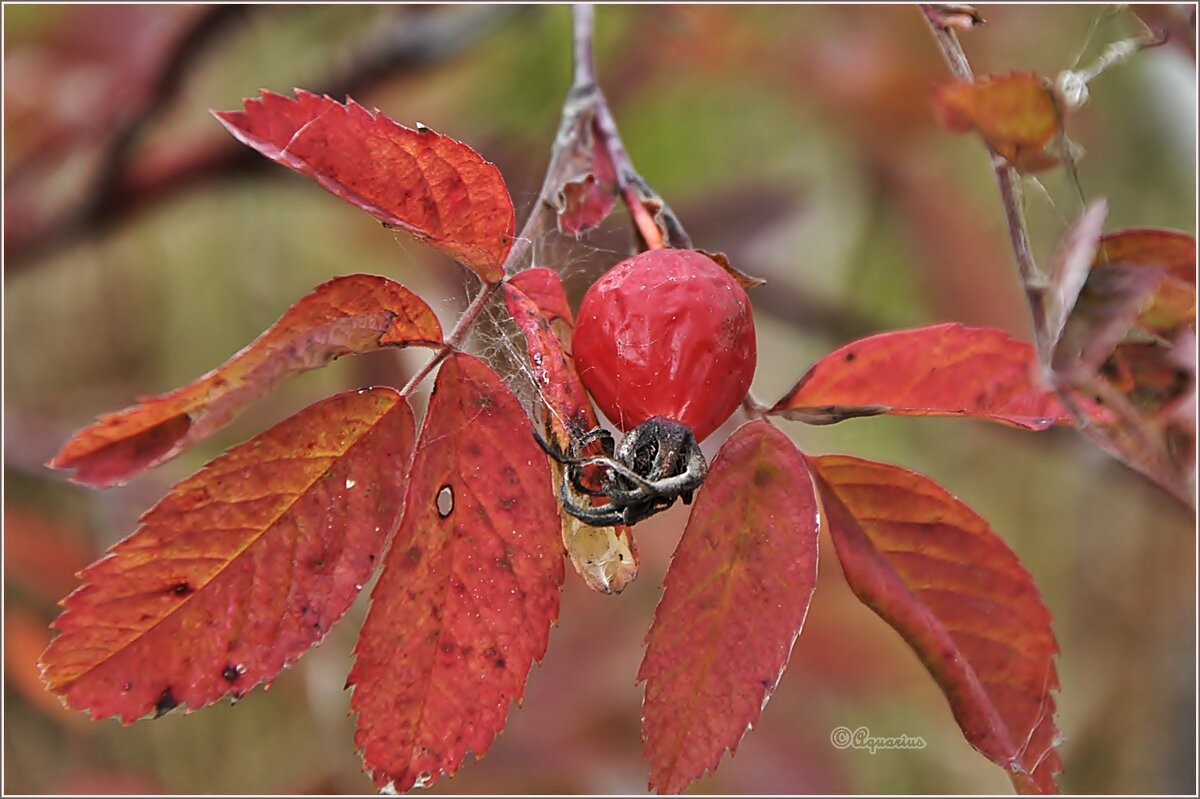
{"type": "Point", "coordinates": [733, 603]}
{"type": "Point", "coordinates": [352, 314]}
{"type": "Point", "coordinates": [241, 568]}
{"type": "Point", "coordinates": [935, 571]}
{"type": "Point", "coordinates": [469, 587]}
{"type": "Point", "coordinates": [438, 189]}
{"type": "Point", "coordinates": [943, 370]}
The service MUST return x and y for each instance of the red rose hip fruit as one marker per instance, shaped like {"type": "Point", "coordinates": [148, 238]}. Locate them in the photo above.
{"type": "Point", "coordinates": [670, 334]}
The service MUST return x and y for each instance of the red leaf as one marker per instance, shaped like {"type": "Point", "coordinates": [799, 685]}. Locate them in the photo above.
{"type": "Point", "coordinates": [943, 370]}
{"type": "Point", "coordinates": [935, 571]}
{"type": "Point", "coordinates": [469, 588]}
{"type": "Point", "coordinates": [733, 603]}
{"type": "Point", "coordinates": [42, 552]}
{"type": "Point", "coordinates": [438, 189]}
{"type": "Point", "coordinates": [1116, 317]}
{"type": "Point", "coordinates": [564, 401]}
{"type": "Point", "coordinates": [241, 568]}
{"type": "Point", "coordinates": [1015, 113]}
{"type": "Point", "coordinates": [545, 289]}
{"type": "Point", "coordinates": [352, 314]}
{"type": "Point", "coordinates": [606, 557]}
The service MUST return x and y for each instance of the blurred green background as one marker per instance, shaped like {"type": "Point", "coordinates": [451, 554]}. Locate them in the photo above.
{"type": "Point", "coordinates": [143, 246]}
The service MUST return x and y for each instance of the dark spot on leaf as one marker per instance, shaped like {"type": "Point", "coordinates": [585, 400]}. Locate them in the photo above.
{"type": "Point", "coordinates": [765, 683]}
{"type": "Point", "coordinates": [414, 554]}
{"type": "Point", "coordinates": [500, 663]}
{"type": "Point", "coordinates": [850, 356]}
{"type": "Point", "coordinates": [230, 673]}
{"type": "Point", "coordinates": [318, 563]}
{"type": "Point", "coordinates": [447, 647]}
{"type": "Point", "coordinates": [371, 558]}
{"type": "Point", "coordinates": [445, 501]}
{"type": "Point", "coordinates": [166, 703]}
{"type": "Point", "coordinates": [762, 478]}
{"type": "Point", "coordinates": [182, 589]}
{"type": "Point", "coordinates": [508, 502]}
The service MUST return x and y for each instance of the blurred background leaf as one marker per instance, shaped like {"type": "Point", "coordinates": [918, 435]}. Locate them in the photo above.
{"type": "Point", "coordinates": [144, 246]}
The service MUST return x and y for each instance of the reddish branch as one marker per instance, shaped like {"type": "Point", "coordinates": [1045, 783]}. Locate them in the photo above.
{"type": "Point", "coordinates": [125, 184]}
{"type": "Point", "coordinates": [1010, 193]}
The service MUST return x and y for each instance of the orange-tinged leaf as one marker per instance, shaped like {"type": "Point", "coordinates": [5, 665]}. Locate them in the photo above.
{"type": "Point", "coordinates": [1173, 251]}
{"type": "Point", "coordinates": [1120, 330]}
{"type": "Point", "coordinates": [733, 602]}
{"type": "Point", "coordinates": [606, 557]}
{"type": "Point", "coordinates": [937, 573]}
{"type": "Point", "coordinates": [1015, 113]}
{"type": "Point", "coordinates": [41, 552]}
{"type": "Point", "coordinates": [468, 590]}
{"type": "Point", "coordinates": [25, 636]}
{"type": "Point", "coordinates": [542, 285]}
{"type": "Point", "coordinates": [435, 187]}
{"type": "Point", "coordinates": [351, 314]}
{"type": "Point", "coordinates": [241, 568]}
{"type": "Point", "coordinates": [943, 370]}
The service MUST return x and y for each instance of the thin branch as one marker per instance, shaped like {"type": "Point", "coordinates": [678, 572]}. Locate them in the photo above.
{"type": "Point", "coordinates": [516, 260]}
{"type": "Point", "coordinates": [1010, 191]}
{"type": "Point", "coordinates": [454, 340]}
{"type": "Point", "coordinates": [584, 57]}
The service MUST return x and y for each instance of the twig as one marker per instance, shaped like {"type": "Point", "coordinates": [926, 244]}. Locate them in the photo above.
{"type": "Point", "coordinates": [1010, 192]}
{"type": "Point", "coordinates": [461, 328]}
{"type": "Point", "coordinates": [633, 188]}
{"type": "Point", "coordinates": [534, 227]}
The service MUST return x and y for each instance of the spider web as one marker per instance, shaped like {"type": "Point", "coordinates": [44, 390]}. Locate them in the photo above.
{"type": "Point", "coordinates": [578, 263]}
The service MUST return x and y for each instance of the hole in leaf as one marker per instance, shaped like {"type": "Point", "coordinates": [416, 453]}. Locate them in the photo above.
{"type": "Point", "coordinates": [166, 703]}
{"type": "Point", "coordinates": [445, 501]}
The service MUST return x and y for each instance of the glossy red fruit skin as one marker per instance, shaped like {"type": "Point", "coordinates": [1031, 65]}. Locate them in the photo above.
{"type": "Point", "coordinates": [666, 333]}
